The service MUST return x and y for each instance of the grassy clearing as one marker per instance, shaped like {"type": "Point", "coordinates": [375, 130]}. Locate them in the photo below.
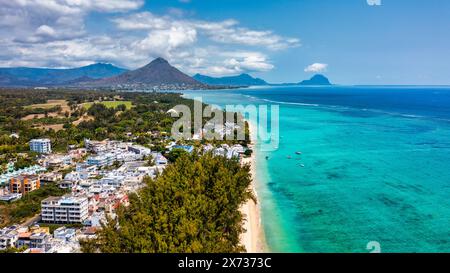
{"type": "Point", "coordinates": [49, 104]}
{"type": "Point", "coordinates": [109, 104]}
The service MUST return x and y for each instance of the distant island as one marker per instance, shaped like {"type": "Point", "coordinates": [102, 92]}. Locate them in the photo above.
{"type": "Point", "coordinates": [316, 80]}
{"type": "Point", "coordinates": [244, 80]}
{"type": "Point", "coordinates": [239, 80]}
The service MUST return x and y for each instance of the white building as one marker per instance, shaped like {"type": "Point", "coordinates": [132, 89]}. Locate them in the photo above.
{"type": "Point", "coordinates": [102, 160]}
{"type": "Point", "coordinates": [64, 210]}
{"type": "Point", "coordinates": [140, 150]}
{"type": "Point", "coordinates": [42, 146]}
{"type": "Point", "coordinates": [8, 237]}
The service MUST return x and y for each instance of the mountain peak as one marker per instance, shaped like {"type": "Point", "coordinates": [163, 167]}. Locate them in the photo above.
{"type": "Point", "coordinates": [157, 72]}
{"type": "Point", "coordinates": [159, 60]}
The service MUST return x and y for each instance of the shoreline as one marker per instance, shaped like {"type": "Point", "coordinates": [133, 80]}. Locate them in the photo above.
{"type": "Point", "coordinates": [253, 237]}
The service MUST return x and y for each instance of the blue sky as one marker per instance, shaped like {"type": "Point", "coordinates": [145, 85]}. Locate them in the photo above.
{"type": "Point", "coordinates": [352, 42]}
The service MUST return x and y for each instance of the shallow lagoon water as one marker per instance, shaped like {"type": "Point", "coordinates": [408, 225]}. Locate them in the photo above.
{"type": "Point", "coordinates": [375, 166]}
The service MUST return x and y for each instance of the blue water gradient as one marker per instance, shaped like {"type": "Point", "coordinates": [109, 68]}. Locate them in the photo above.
{"type": "Point", "coordinates": [375, 166]}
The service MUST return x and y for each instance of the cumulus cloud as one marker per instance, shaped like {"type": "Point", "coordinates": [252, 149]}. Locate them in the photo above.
{"type": "Point", "coordinates": [316, 67]}
{"type": "Point", "coordinates": [226, 62]}
{"type": "Point", "coordinates": [163, 42]}
{"type": "Point", "coordinates": [226, 32]}
{"type": "Point", "coordinates": [41, 21]}
{"type": "Point", "coordinates": [229, 33]}
{"type": "Point", "coordinates": [45, 30]}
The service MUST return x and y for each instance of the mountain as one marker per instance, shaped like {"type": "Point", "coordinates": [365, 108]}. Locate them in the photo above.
{"type": "Point", "coordinates": [83, 79]}
{"type": "Point", "coordinates": [316, 80]}
{"type": "Point", "coordinates": [240, 80]}
{"type": "Point", "coordinates": [158, 72]}
{"type": "Point", "coordinates": [25, 76]}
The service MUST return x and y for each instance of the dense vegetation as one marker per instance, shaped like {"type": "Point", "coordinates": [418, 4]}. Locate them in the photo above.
{"type": "Point", "coordinates": [148, 114]}
{"type": "Point", "coordinates": [193, 207]}
{"type": "Point", "coordinates": [147, 121]}
{"type": "Point", "coordinates": [28, 206]}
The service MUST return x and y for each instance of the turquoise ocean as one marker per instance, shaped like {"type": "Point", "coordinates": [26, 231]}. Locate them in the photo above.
{"type": "Point", "coordinates": [375, 166]}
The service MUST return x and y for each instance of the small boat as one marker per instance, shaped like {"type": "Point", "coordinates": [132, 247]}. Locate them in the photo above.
{"type": "Point", "coordinates": [302, 165]}
{"type": "Point", "coordinates": [299, 153]}
{"type": "Point", "coordinates": [289, 157]}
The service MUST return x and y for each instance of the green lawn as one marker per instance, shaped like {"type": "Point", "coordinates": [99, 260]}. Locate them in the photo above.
{"type": "Point", "coordinates": [109, 104]}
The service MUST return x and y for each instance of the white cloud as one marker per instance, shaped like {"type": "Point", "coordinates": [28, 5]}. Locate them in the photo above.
{"type": "Point", "coordinates": [225, 32]}
{"type": "Point", "coordinates": [142, 21]}
{"type": "Point", "coordinates": [224, 63]}
{"type": "Point", "coordinates": [45, 30]}
{"type": "Point", "coordinates": [31, 20]}
{"type": "Point", "coordinates": [164, 41]}
{"type": "Point", "coordinates": [316, 67]}
{"type": "Point", "coordinates": [53, 34]}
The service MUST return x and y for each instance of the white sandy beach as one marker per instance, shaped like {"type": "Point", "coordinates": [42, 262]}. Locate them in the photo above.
{"type": "Point", "coordinates": [253, 237]}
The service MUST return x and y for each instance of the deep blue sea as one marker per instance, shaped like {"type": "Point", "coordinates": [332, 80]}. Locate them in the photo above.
{"type": "Point", "coordinates": [375, 166]}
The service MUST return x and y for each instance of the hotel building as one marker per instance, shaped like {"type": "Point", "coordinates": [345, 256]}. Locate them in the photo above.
{"type": "Point", "coordinates": [64, 210]}
{"type": "Point", "coordinates": [42, 146]}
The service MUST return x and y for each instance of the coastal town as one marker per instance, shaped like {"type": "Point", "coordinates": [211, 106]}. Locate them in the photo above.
{"type": "Point", "coordinates": [74, 161]}
{"type": "Point", "coordinates": [97, 179]}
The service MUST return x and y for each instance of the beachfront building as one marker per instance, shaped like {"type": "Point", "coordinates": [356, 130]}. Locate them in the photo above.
{"type": "Point", "coordinates": [10, 197]}
{"type": "Point", "coordinates": [35, 239]}
{"type": "Point", "coordinates": [101, 160]}
{"type": "Point", "coordinates": [57, 161]}
{"type": "Point", "coordinates": [47, 178]}
{"type": "Point", "coordinates": [96, 146]}
{"type": "Point", "coordinates": [116, 181]}
{"type": "Point", "coordinates": [42, 146]}
{"type": "Point", "coordinates": [140, 150]}
{"type": "Point", "coordinates": [24, 184]}
{"type": "Point", "coordinates": [64, 210]}
{"type": "Point", "coordinates": [8, 237]}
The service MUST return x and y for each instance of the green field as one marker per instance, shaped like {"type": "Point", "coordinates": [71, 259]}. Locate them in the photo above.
{"type": "Point", "coordinates": [49, 104]}
{"type": "Point", "coordinates": [109, 104]}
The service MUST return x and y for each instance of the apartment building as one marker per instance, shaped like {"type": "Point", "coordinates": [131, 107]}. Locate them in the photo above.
{"type": "Point", "coordinates": [8, 237]}
{"type": "Point", "coordinates": [24, 184]}
{"type": "Point", "coordinates": [42, 146]}
{"type": "Point", "coordinates": [102, 160]}
{"type": "Point", "coordinates": [64, 210]}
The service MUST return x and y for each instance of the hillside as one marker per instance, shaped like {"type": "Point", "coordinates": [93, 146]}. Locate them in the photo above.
{"type": "Point", "coordinates": [26, 76]}
{"type": "Point", "coordinates": [158, 72]}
